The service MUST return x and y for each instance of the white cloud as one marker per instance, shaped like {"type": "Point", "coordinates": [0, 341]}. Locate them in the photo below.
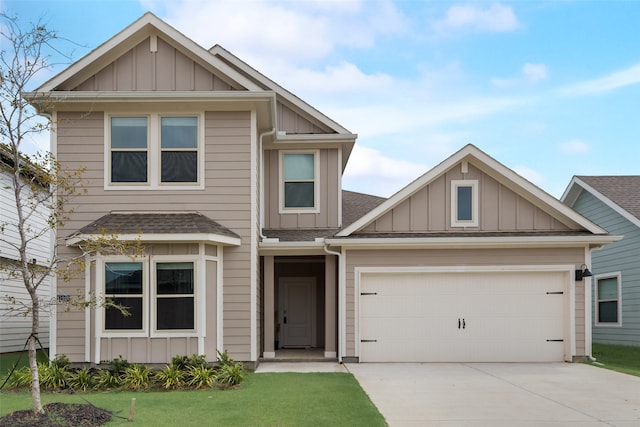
{"type": "Point", "coordinates": [530, 74]}
{"type": "Point", "coordinates": [370, 169]}
{"type": "Point", "coordinates": [615, 80]}
{"type": "Point", "coordinates": [495, 18]}
{"type": "Point", "coordinates": [530, 174]}
{"type": "Point", "coordinates": [575, 146]}
{"type": "Point", "coordinates": [534, 73]}
{"type": "Point", "coordinates": [298, 32]}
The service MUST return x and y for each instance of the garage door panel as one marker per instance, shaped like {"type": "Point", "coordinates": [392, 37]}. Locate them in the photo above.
{"type": "Point", "coordinates": [419, 317]}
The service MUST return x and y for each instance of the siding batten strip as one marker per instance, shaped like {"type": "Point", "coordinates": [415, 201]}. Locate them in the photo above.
{"type": "Point", "coordinates": [254, 241]}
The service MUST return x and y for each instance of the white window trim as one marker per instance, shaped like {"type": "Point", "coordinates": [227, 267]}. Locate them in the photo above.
{"type": "Point", "coordinates": [155, 333]}
{"type": "Point", "coordinates": [618, 276]}
{"type": "Point", "coordinates": [316, 183]}
{"type": "Point", "coordinates": [474, 202]}
{"type": "Point", "coordinates": [100, 311]}
{"type": "Point", "coordinates": [153, 153]}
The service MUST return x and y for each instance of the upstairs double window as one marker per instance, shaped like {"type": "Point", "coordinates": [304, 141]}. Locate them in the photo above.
{"type": "Point", "coordinates": [154, 150]}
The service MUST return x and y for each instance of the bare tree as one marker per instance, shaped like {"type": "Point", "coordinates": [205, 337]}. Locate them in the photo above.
{"type": "Point", "coordinates": [42, 190]}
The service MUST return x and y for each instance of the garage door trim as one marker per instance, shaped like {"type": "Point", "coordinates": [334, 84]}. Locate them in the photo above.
{"type": "Point", "coordinates": [569, 313]}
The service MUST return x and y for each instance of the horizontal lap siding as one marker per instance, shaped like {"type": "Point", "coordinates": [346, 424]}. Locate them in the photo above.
{"type": "Point", "coordinates": [461, 257]}
{"type": "Point", "coordinates": [622, 256]}
{"type": "Point", "coordinates": [225, 199]}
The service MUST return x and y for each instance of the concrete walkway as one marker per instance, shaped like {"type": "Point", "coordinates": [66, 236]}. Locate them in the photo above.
{"type": "Point", "coordinates": [500, 394]}
{"type": "Point", "coordinates": [300, 367]}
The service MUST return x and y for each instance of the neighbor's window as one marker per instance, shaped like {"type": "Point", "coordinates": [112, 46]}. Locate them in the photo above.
{"type": "Point", "coordinates": [129, 149]}
{"type": "Point", "coordinates": [299, 180]}
{"type": "Point", "coordinates": [464, 203]}
{"type": "Point", "coordinates": [179, 146]}
{"type": "Point", "coordinates": [124, 287]}
{"type": "Point", "coordinates": [608, 299]}
{"type": "Point", "coordinates": [175, 303]}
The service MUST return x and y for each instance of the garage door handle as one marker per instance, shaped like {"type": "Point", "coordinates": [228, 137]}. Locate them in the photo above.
{"type": "Point", "coordinates": [461, 323]}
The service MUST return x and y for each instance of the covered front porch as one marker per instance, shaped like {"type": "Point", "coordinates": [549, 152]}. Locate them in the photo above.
{"type": "Point", "coordinates": [299, 307]}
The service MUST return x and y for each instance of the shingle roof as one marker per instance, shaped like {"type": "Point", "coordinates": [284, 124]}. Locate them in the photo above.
{"type": "Point", "coordinates": [624, 191]}
{"type": "Point", "coordinates": [356, 205]}
{"type": "Point", "coordinates": [156, 223]}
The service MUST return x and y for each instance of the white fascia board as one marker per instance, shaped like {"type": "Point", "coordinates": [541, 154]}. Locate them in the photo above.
{"type": "Point", "coordinates": [477, 154]}
{"type": "Point", "coordinates": [473, 242]}
{"type": "Point", "coordinates": [149, 96]}
{"type": "Point", "coordinates": [285, 94]}
{"type": "Point", "coordinates": [163, 237]}
{"type": "Point", "coordinates": [577, 185]}
{"type": "Point", "coordinates": [291, 248]}
{"type": "Point", "coordinates": [137, 31]}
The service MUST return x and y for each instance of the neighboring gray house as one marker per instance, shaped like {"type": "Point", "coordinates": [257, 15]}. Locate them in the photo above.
{"type": "Point", "coordinates": [613, 202]}
{"type": "Point", "coordinates": [252, 245]}
{"type": "Point", "coordinates": [15, 328]}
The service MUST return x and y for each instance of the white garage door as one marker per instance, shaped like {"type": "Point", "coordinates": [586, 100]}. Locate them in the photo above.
{"type": "Point", "coordinates": [462, 317]}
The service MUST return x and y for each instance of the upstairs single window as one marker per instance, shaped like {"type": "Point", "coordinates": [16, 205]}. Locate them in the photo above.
{"type": "Point", "coordinates": [129, 150]}
{"type": "Point", "coordinates": [179, 146]}
{"type": "Point", "coordinates": [299, 181]}
{"type": "Point", "coordinates": [464, 203]}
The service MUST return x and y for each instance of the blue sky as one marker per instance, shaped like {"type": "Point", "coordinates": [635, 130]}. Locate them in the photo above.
{"type": "Point", "coordinates": [550, 89]}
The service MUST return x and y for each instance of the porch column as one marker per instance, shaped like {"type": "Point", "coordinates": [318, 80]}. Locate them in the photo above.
{"type": "Point", "coordinates": [330, 306]}
{"type": "Point", "coordinates": [269, 294]}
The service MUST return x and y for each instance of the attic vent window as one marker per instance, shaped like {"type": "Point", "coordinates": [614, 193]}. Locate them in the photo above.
{"type": "Point", "coordinates": [464, 203]}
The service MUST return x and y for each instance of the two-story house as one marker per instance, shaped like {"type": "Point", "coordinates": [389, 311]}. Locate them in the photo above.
{"type": "Point", "coordinates": [233, 184]}
{"type": "Point", "coordinates": [613, 202]}
{"type": "Point", "coordinates": [15, 319]}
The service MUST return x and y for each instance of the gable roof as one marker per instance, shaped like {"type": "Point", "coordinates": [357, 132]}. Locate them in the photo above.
{"type": "Point", "coordinates": [499, 172]}
{"type": "Point", "coordinates": [620, 193]}
{"type": "Point", "coordinates": [217, 60]}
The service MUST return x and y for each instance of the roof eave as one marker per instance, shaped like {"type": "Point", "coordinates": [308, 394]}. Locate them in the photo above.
{"type": "Point", "coordinates": [593, 241]}
{"type": "Point", "coordinates": [219, 239]}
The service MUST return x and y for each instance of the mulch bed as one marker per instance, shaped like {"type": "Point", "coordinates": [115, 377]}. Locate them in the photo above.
{"type": "Point", "coordinates": [58, 415]}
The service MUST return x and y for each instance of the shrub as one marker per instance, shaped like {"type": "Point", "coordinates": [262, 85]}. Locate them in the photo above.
{"type": "Point", "coordinates": [200, 376]}
{"type": "Point", "coordinates": [82, 379]}
{"type": "Point", "coordinates": [171, 377]}
{"type": "Point", "coordinates": [61, 361]}
{"type": "Point", "coordinates": [53, 376]}
{"type": "Point", "coordinates": [106, 379]}
{"type": "Point", "coordinates": [118, 365]}
{"type": "Point", "coordinates": [230, 375]}
{"type": "Point", "coordinates": [136, 377]}
{"type": "Point", "coordinates": [20, 378]}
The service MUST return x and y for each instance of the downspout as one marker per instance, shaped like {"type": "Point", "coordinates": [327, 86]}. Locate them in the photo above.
{"type": "Point", "coordinates": [261, 162]}
{"type": "Point", "coordinates": [341, 298]}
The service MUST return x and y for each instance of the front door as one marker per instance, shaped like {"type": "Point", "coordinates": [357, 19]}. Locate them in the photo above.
{"type": "Point", "coordinates": [297, 311]}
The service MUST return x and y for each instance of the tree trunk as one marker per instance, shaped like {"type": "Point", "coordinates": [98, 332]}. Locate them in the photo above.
{"type": "Point", "coordinates": [33, 363]}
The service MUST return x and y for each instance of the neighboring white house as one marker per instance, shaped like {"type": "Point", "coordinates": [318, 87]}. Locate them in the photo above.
{"type": "Point", "coordinates": [14, 326]}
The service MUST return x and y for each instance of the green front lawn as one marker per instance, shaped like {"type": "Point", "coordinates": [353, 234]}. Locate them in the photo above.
{"type": "Point", "coordinates": [619, 358]}
{"type": "Point", "coordinates": [269, 399]}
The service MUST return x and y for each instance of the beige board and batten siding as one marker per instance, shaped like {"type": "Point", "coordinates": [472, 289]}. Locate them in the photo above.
{"type": "Point", "coordinates": [167, 69]}
{"type": "Point", "coordinates": [329, 188]}
{"type": "Point", "coordinates": [226, 198]}
{"type": "Point", "coordinates": [453, 258]}
{"type": "Point", "coordinates": [500, 208]}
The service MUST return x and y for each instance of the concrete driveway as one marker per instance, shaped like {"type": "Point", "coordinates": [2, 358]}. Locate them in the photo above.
{"type": "Point", "coordinates": [500, 394]}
